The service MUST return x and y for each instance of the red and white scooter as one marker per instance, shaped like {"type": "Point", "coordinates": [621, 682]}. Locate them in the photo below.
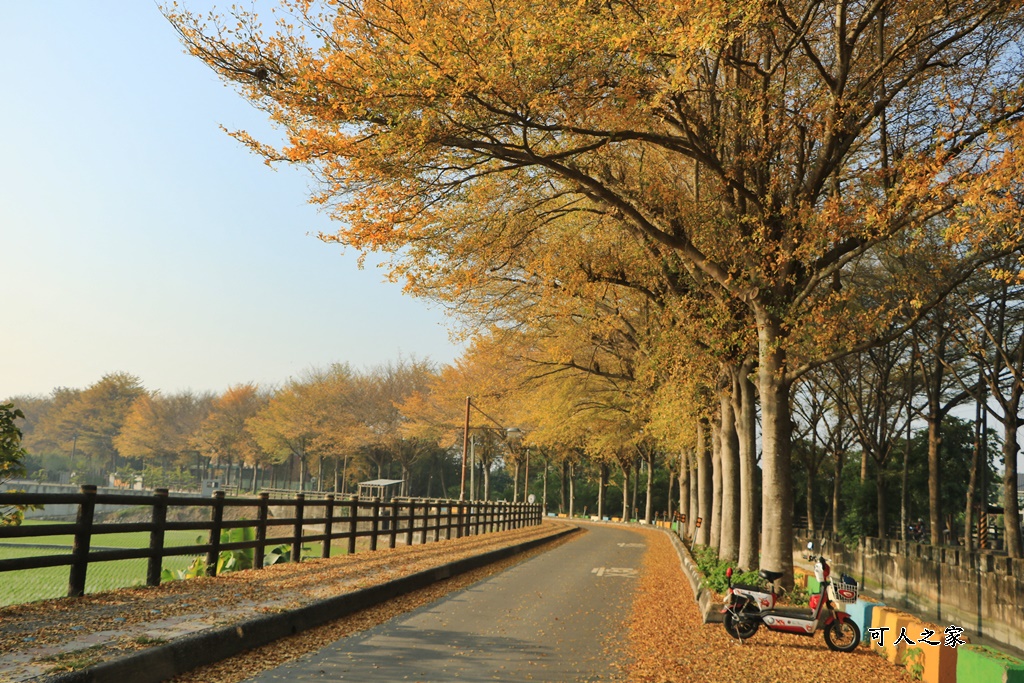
{"type": "Point", "coordinates": [748, 607]}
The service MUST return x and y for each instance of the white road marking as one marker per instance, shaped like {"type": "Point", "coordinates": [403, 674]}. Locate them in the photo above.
{"type": "Point", "coordinates": [622, 572]}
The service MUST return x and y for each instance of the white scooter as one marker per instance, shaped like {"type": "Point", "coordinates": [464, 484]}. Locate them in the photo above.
{"type": "Point", "coordinates": [748, 607]}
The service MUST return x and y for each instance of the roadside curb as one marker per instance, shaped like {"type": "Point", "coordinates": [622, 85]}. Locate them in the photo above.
{"type": "Point", "coordinates": [181, 655]}
{"type": "Point", "coordinates": [709, 609]}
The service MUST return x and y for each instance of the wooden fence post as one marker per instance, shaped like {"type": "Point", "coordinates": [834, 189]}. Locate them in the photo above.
{"type": "Point", "coordinates": [300, 509]}
{"type": "Point", "coordinates": [328, 525]}
{"type": "Point", "coordinates": [156, 538]}
{"type": "Point", "coordinates": [458, 520]}
{"type": "Point", "coordinates": [83, 539]}
{"type": "Point", "coordinates": [262, 512]}
{"type": "Point", "coordinates": [426, 521]}
{"type": "Point", "coordinates": [411, 506]}
{"type": "Point", "coordinates": [437, 529]}
{"type": "Point", "coordinates": [353, 524]}
{"type": "Point", "coordinates": [375, 523]}
{"type": "Point", "coordinates": [213, 554]}
{"type": "Point", "coordinates": [394, 524]}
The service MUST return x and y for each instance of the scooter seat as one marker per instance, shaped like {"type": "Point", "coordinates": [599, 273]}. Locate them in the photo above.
{"type": "Point", "coordinates": [770, 577]}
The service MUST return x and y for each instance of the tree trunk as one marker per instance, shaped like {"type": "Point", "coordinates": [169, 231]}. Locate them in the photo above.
{"type": "Point", "coordinates": [809, 492]}
{"type": "Point", "coordinates": [684, 483]}
{"type": "Point", "coordinates": [649, 509]}
{"type": "Point", "coordinates": [883, 530]}
{"type": "Point", "coordinates": [904, 522]}
{"type": "Point", "coordinates": [694, 494]}
{"type": "Point", "coordinates": [602, 489]}
{"type": "Point", "coordinates": [837, 480]}
{"type": "Point", "coordinates": [255, 475]}
{"type": "Point", "coordinates": [544, 493]}
{"type": "Point", "coordinates": [625, 492]}
{"type": "Point", "coordinates": [705, 485]}
{"type": "Point", "coordinates": [671, 485]}
{"type": "Point", "coordinates": [515, 482]}
{"type": "Point", "coordinates": [934, 491]}
{"type": "Point", "coordinates": [563, 505]}
{"type": "Point", "coordinates": [730, 460]}
{"type": "Point", "coordinates": [1011, 506]}
{"type": "Point", "coordinates": [636, 478]}
{"type": "Point", "coordinates": [715, 428]}
{"type": "Point", "coordinates": [746, 430]}
{"type": "Point", "coordinates": [777, 432]}
{"type": "Point", "coordinates": [572, 491]}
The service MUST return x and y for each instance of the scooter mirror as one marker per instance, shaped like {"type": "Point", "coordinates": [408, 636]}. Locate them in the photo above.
{"type": "Point", "coordinates": [728, 573]}
{"type": "Point", "coordinates": [810, 545]}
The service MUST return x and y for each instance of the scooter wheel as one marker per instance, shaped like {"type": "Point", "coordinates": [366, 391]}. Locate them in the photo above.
{"type": "Point", "coordinates": [738, 628]}
{"type": "Point", "coordinates": [842, 636]}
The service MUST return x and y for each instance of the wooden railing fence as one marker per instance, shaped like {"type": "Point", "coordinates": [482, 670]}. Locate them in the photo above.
{"type": "Point", "coordinates": [414, 520]}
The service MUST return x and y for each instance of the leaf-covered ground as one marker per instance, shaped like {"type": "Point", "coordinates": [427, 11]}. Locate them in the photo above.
{"type": "Point", "coordinates": [62, 634]}
{"type": "Point", "coordinates": [665, 640]}
{"type": "Point", "coordinates": [668, 642]}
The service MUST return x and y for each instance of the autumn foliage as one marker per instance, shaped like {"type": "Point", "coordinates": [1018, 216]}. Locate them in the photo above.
{"type": "Point", "coordinates": [652, 191]}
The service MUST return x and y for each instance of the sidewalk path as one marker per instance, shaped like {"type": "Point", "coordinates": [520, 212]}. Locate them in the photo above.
{"type": "Point", "coordinates": [41, 638]}
{"type": "Point", "coordinates": [551, 618]}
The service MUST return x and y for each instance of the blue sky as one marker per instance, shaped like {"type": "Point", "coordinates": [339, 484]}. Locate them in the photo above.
{"type": "Point", "coordinates": [136, 236]}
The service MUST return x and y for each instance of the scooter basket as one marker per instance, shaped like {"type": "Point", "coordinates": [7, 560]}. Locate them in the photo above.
{"type": "Point", "coordinates": [844, 592]}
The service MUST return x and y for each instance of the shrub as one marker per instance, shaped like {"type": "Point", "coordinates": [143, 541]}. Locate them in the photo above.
{"type": "Point", "coordinates": [714, 570]}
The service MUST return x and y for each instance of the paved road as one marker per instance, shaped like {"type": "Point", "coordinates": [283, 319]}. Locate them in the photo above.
{"type": "Point", "coordinates": [551, 618]}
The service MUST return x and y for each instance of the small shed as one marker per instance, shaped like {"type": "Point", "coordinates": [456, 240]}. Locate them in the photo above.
{"type": "Point", "coordinates": [385, 489]}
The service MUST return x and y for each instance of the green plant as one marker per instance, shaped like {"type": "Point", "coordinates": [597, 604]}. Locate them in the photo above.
{"type": "Point", "coordinates": [12, 457]}
{"type": "Point", "coordinates": [913, 659]}
{"type": "Point", "coordinates": [233, 560]}
{"type": "Point", "coordinates": [239, 558]}
{"type": "Point", "coordinates": [714, 571]}
{"type": "Point", "coordinates": [76, 660]}
{"type": "Point", "coordinates": [194, 570]}
{"type": "Point", "coordinates": [147, 640]}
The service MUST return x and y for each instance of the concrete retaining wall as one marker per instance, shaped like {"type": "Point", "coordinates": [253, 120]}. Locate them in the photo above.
{"type": "Point", "coordinates": [980, 591]}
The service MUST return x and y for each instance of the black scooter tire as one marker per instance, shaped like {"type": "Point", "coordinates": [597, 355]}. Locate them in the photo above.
{"type": "Point", "coordinates": [833, 630]}
{"type": "Point", "coordinates": [740, 630]}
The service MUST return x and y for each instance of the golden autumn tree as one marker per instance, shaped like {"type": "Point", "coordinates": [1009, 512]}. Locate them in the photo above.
{"type": "Point", "coordinates": [764, 147]}
{"type": "Point", "coordinates": [222, 436]}
{"type": "Point", "coordinates": [488, 374]}
{"type": "Point", "coordinates": [160, 429]}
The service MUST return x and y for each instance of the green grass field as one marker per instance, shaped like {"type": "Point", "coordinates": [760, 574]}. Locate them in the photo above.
{"type": "Point", "coordinates": [29, 585]}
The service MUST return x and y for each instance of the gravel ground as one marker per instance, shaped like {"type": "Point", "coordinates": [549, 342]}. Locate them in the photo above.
{"type": "Point", "coordinates": [58, 635]}
{"type": "Point", "coordinates": [668, 642]}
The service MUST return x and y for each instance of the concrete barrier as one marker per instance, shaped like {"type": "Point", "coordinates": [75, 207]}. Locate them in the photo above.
{"type": "Point", "coordinates": [980, 664]}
